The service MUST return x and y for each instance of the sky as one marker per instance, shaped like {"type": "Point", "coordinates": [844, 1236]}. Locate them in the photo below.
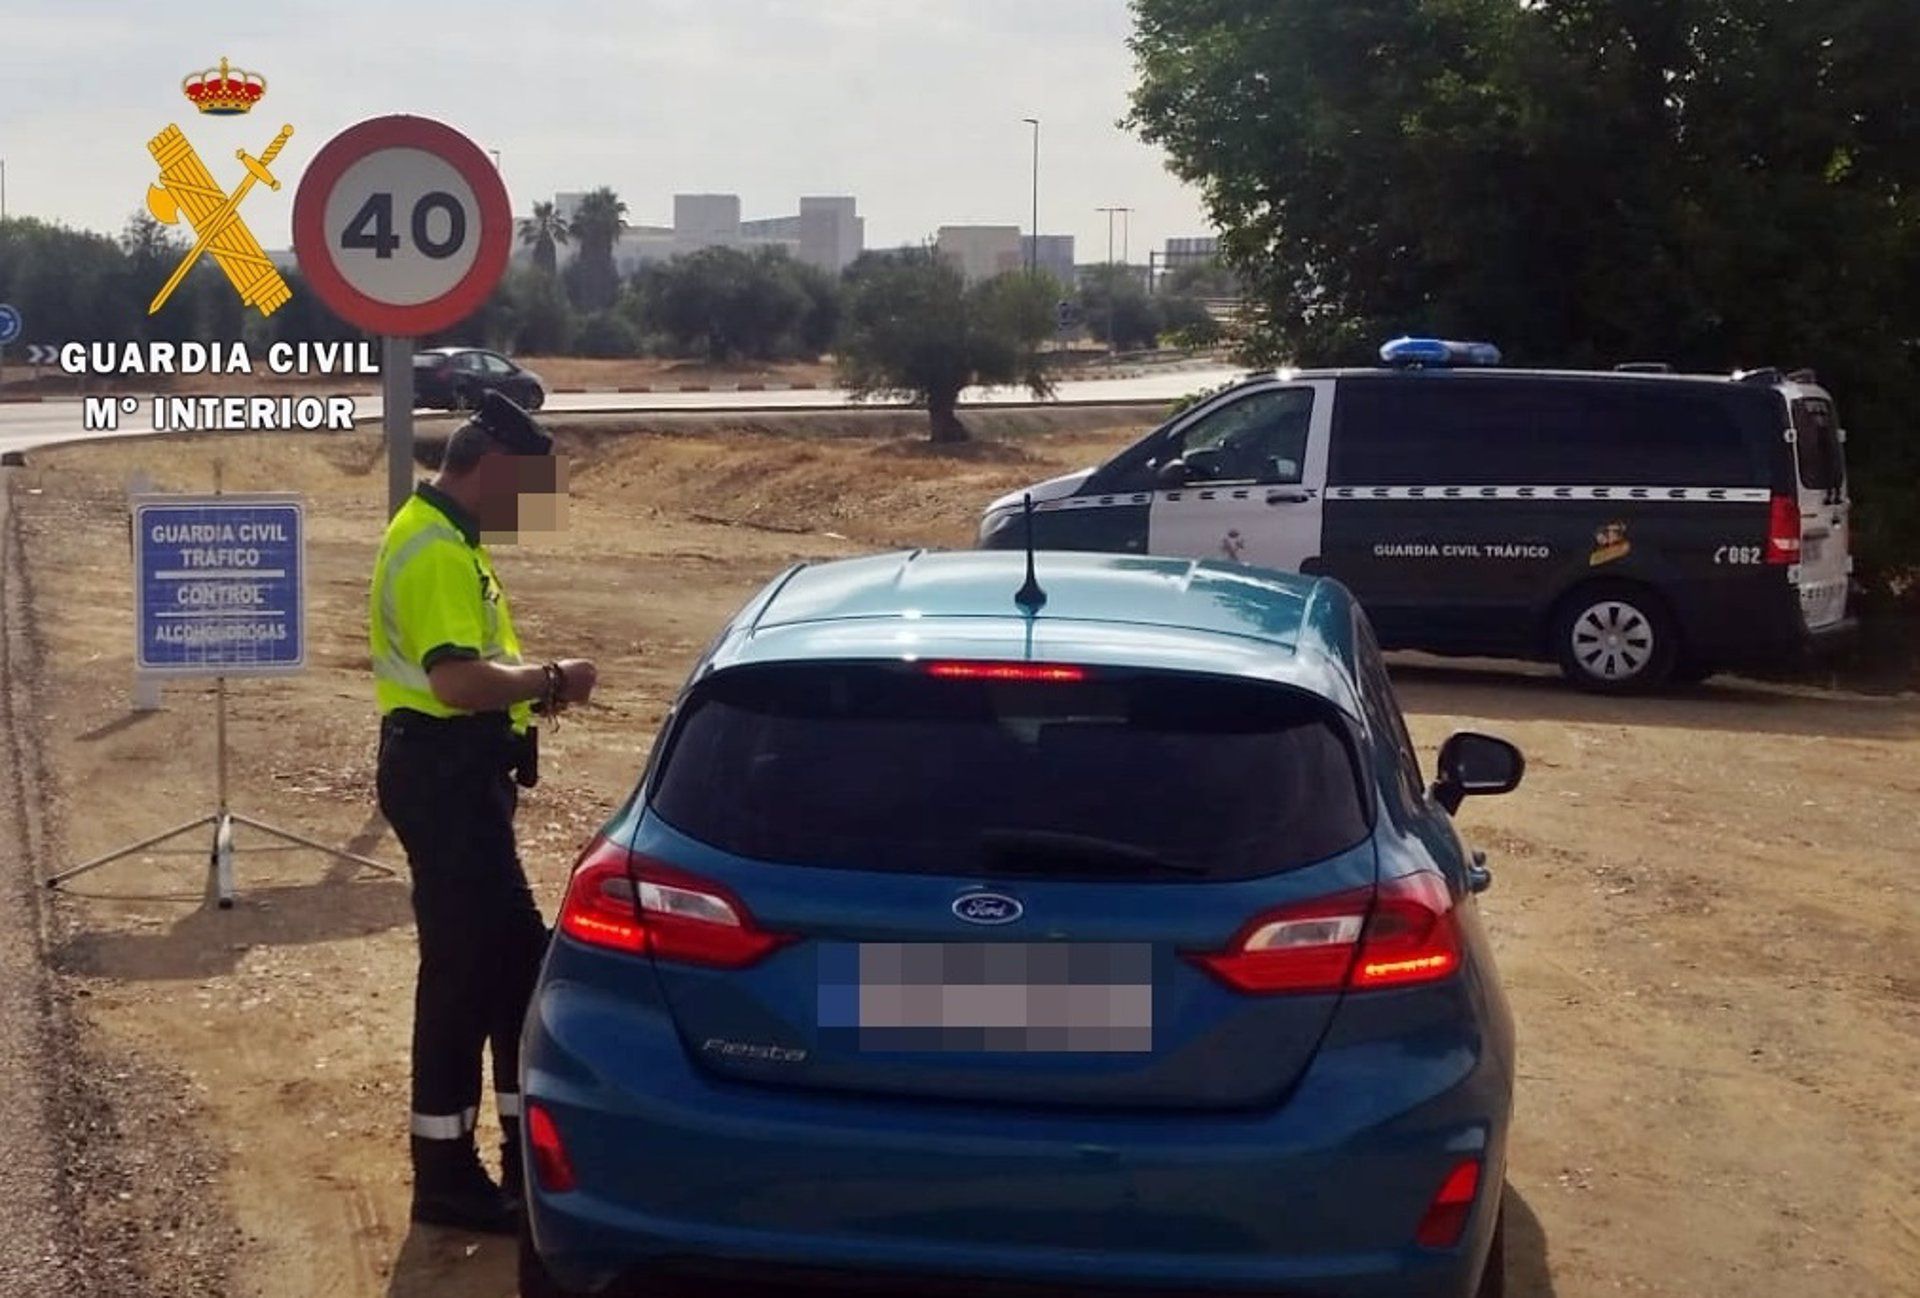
{"type": "Point", "coordinates": [913, 106]}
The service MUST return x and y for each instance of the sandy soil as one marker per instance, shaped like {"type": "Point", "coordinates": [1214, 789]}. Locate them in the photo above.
{"type": "Point", "coordinates": [1704, 905]}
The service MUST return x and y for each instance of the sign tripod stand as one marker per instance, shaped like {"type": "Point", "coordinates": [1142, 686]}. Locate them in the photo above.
{"type": "Point", "coordinates": [223, 818]}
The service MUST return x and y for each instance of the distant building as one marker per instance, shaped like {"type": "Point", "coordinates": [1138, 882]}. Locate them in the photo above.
{"type": "Point", "coordinates": [1055, 255]}
{"type": "Point", "coordinates": [981, 251]}
{"type": "Point", "coordinates": [827, 232]}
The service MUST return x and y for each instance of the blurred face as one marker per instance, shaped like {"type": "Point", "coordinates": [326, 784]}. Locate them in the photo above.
{"type": "Point", "coordinates": [519, 493]}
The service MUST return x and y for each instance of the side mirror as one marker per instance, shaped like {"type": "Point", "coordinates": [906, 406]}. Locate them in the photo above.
{"type": "Point", "coordinates": [1474, 765]}
{"type": "Point", "coordinates": [1172, 475]}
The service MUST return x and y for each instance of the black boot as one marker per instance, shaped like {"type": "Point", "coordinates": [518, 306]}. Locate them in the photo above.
{"type": "Point", "coordinates": [513, 1176]}
{"type": "Point", "coordinates": [450, 1188]}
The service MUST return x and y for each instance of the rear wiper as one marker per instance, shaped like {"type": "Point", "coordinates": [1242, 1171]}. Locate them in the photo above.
{"type": "Point", "coordinates": [1080, 852]}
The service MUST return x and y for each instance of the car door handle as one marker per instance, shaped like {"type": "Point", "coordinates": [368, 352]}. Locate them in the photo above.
{"type": "Point", "coordinates": [1289, 496]}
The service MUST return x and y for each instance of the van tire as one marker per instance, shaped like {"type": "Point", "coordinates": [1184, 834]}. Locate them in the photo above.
{"type": "Point", "coordinates": [1615, 638]}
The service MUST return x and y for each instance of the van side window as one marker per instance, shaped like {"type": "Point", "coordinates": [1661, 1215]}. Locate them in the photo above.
{"type": "Point", "coordinates": [1816, 431]}
{"type": "Point", "coordinates": [1260, 438]}
{"type": "Point", "coordinates": [1382, 709]}
{"type": "Point", "coordinates": [1419, 430]}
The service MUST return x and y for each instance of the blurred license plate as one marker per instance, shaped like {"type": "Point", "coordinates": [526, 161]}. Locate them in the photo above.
{"type": "Point", "coordinates": [1812, 548]}
{"type": "Point", "coordinates": [1077, 997]}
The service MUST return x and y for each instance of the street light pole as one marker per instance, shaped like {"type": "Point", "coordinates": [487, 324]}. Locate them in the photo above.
{"type": "Point", "coordinates": [1113, 294]}
{"type": "Point", "coordinates": [1033, 255]}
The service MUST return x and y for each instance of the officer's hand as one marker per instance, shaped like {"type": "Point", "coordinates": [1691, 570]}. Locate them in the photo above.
{"type": "Point", "coordinates": [578, 676]}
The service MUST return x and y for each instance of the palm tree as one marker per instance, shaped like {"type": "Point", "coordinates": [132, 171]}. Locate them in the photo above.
{"type": "Point", "coordinates": [596, 225]}
{"type": "Point", "coordinates": [545, 230]}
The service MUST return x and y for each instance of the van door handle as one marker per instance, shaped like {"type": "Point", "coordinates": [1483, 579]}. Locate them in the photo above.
{"type": "Point", "coordinates": [1289, 496]}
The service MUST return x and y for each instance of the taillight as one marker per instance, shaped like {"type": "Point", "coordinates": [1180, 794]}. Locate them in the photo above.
{"type": "Point", "coordinates": [1783, 531]}
{"type": "Point", "coordinates": [621, 901]}
{"type": "Point", "coordinates": [1446, 1217]}
{"type": "Point", "coordinates": [1411, 937]}
{"type": "Point", "coordinates": [1400, 934]}
{"type": "Point", "coordinates": [1056, 673]}
{"type": "Point", "coordinates": [551, 1166]}
{"type": "Point", "coordinates": [600, 908]}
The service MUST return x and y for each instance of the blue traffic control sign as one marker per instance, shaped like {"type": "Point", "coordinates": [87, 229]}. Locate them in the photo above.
{"type": "Point", "coordinates": [10, 323]}
{"type": "Point", "coordinates": [220, 585]}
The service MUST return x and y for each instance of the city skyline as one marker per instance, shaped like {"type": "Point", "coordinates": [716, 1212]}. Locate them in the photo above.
{"type": "Point", "coordinates": [915, 108]}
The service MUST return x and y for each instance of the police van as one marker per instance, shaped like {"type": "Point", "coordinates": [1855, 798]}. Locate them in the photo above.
{"type": "Point", "coordinates": [1637, 525]}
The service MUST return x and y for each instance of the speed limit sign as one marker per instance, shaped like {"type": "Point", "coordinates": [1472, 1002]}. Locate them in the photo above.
{"type": "Point", "coordinates": [402, 226]}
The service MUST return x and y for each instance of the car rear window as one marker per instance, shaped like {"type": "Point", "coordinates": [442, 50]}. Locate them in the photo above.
{"type": "Point", "coordinates": [1148, 776]}
{"type": "Point", "coordinates": [1816, 431]}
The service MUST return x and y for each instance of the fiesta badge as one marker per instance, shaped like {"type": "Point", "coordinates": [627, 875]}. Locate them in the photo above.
{"type": "Point", "coordinates": [988, 908]}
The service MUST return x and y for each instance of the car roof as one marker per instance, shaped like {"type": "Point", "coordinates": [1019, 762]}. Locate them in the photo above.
{"type": "Point", "coordinates": [1101, 610]}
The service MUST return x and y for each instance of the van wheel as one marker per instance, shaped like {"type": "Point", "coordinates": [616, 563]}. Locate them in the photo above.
{"type": "Point", "coordinates": [1616, 639]}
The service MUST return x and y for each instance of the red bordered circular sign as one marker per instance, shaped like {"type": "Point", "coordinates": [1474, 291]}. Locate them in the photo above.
{"type": "Point", "coordinates": [401, 225]}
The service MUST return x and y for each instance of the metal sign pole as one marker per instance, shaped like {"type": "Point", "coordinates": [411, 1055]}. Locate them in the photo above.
{"type": "Point", "coordinates": [396, 416]}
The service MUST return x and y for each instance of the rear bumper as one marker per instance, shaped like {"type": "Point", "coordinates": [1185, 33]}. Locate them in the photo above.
{"type": "Point", "coordinates": [683, 1173]}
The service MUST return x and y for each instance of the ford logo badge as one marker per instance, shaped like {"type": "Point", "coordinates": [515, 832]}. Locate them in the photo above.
{"type": "Point", "coordinates": [988, 908]}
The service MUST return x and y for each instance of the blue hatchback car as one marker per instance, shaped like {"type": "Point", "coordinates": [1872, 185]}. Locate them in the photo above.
{"type": "Point", "coordinates": [1102, 939]}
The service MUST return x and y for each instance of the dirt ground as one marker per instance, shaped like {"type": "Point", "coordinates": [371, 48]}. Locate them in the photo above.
{"type": "Point", "coordinates": [1704, 903]}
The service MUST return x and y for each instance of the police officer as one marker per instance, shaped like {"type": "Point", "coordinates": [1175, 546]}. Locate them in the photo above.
{"type": "Point", "coordinates": [456, 739]}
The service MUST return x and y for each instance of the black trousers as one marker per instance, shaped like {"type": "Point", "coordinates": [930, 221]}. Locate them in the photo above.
{"type": "Point", "coordinates": [445, 788]}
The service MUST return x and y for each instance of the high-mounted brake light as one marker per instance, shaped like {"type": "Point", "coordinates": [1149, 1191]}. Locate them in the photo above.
{"type": "Point", "coordinates": [620, 901]}
{"type": "Point", "coordinates": [1783, 531]}
{"type": "Point", "coordinates": [1446, 1217]}
{"type": "Point", "coordinates": [1401, 934]}
{"type": "Point", "coordinates": [1058, 673]}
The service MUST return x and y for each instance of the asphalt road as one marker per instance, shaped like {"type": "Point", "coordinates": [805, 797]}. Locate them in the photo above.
{"type": "Point", "coordinates": [27, 425]}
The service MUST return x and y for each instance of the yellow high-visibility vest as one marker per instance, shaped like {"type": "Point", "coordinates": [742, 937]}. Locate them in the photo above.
{"type": "Point", "coordinates": [435, 596]}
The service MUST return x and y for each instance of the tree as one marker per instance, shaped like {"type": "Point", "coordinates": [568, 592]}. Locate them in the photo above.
{"type": "Point", "coordinates": [912, 329]}
{"type": "Point", "coordinates": [544, 232]}
{"type": "Point", "coordinates": [592, 280]}
{"type": "Point", "coordinates": [608, 334]}
{"type": "Point", "coordinates": [1187, 322]}
{"type": "Point", "coordinates": [1712, 183]}
{"type": "Point", "coordinates": [721, 303]}
{"type": "Point", "coordinates": [1116, 307]}
{"type": "Point", "coordinates": [544, 323]}
{"type": "Point", "coordinates": [1201, 279]}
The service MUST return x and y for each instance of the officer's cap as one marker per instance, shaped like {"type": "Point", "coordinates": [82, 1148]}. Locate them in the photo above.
{"type": "Point", "coordinates": [508, 424]}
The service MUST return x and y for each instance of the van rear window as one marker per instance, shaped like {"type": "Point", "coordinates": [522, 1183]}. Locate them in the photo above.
{"type": "Point", "coordinates": [1135, 776]}
{"type": "Point", "coordinates": [1416, 430]}
{"type": "Point", "coordinates": [1816, 431]}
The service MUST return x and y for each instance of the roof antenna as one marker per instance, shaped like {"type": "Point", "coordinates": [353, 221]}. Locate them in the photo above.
{"type": "Point", "coordinates": [1030, 597]}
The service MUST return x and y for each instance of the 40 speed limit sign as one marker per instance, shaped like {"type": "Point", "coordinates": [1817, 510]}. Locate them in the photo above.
{"type": "Point", "coordinates": [401, 225]}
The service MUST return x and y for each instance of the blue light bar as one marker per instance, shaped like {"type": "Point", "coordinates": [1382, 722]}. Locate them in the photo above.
{"type": "Point", "coordinates": [1436, 353]}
